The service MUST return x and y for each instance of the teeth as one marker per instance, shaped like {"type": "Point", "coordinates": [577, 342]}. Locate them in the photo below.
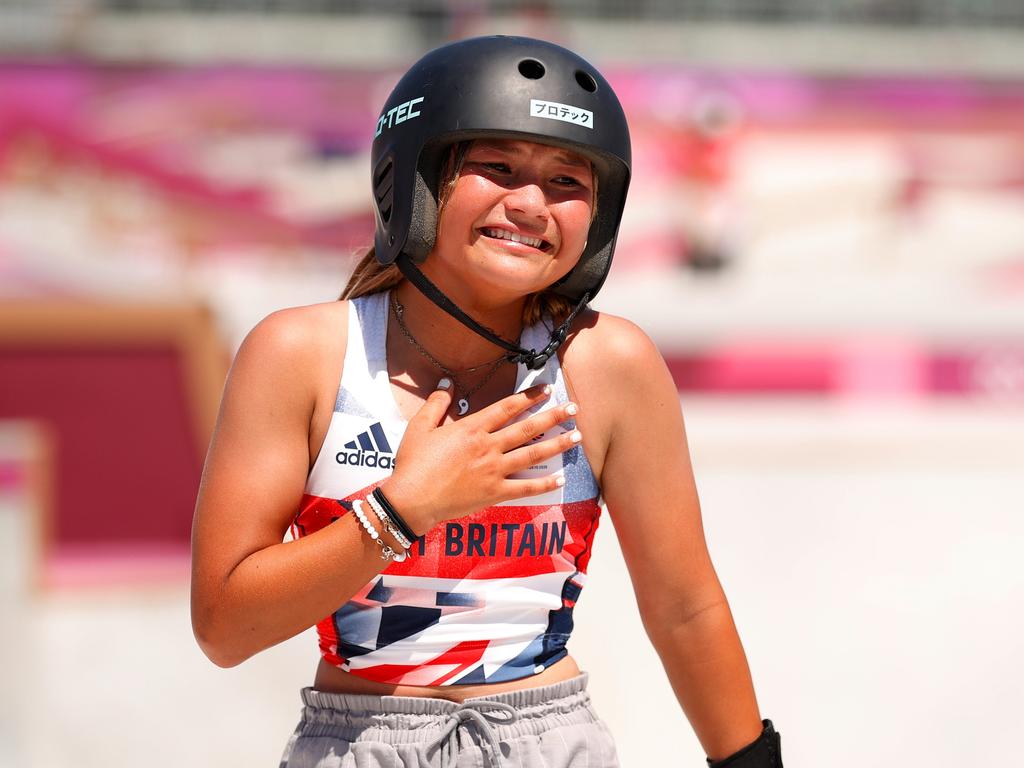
{"type": "Point", "coordinates": [504, 234]}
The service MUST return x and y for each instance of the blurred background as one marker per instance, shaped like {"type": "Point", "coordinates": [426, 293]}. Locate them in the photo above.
{"type": "Point", "coordinates": [825, 236]}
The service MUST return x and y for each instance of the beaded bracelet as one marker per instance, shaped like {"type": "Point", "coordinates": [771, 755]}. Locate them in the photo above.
{"type": "Point", "coordinates": [387, 553]}
{"type": "Point", "coordinates": [378, 494]}
{"type": "Point", "coordinates": [387, 522]}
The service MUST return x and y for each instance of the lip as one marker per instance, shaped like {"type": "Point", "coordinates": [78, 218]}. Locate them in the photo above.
{"type": "Point", "coordinates": [545, 247]}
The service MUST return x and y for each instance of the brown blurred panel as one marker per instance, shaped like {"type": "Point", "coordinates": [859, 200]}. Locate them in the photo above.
{"type": "Point", "coordinates": [129, 394]}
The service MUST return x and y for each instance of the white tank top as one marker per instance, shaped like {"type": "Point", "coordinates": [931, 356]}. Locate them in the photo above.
{"type": "Point", "coordinates": [484, 598]}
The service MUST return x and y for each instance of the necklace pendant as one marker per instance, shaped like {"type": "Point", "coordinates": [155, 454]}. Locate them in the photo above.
{"type": "Point", "coordinates": [463, 406]}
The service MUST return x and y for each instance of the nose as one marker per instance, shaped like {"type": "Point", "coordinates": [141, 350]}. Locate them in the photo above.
{"type": "Point", "coordinates": [527, 200]}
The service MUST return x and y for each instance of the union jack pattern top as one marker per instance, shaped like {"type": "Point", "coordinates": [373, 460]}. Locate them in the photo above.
{"type": "Point", "coordinates": [480, 599]}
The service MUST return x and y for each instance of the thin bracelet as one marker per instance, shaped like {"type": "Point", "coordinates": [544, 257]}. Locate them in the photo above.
{"type": "Point", "coordinates": [387, 522]}
{"type": "Point", "coordinates": [387, 553]}
{"type": "Point", "coordinates": [378, 494]}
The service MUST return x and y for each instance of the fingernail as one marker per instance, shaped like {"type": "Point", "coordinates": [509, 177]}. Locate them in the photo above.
{"type": "Point", "coordinates": [444, 383]}
{"type": "Point", "coordinates": [575, 436]}
{"type": "Point", "coordinates": [560, 480]}
{"type": "Point", "coordinates": [571, 409]}
{"type": "Point", "coordinates": [547, 389]}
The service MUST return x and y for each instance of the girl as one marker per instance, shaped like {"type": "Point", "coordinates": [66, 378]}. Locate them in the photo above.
{"type": "Point", "coordinates": [446, 433]}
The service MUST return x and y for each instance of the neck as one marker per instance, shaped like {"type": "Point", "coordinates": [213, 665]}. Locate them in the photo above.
{"type": "Point", "coordinates": [449, 341]}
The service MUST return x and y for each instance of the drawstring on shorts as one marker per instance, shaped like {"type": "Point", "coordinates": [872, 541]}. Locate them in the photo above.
{"type": "Point", "coordinates": [473, 711]}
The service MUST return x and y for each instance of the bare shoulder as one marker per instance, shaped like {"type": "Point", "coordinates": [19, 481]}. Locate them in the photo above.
{"type": "Point", "coordinates": [298, 334]}
{"type": "Point", "coordinates": [292, 355]}
{"type": "Point", "coordinates": [612, 347]}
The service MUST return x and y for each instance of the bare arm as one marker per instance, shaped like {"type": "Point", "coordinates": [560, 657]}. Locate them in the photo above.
{"type": "Point", "coordinates": [250, 590]}
{"type": "Point", "coordinates": [654, 507]}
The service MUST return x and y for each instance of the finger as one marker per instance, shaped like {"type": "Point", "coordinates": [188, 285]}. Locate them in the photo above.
{"type": "Point", "coordinates": [432, 412]}
{"type": "Point", "coordinates": [539, 452]}
{"type": "Point", "coordinates": [499, 414]}
{"type": "Point", "coordinates": [522, 432]}
{"type": "Point", "coordinates": [535, 486]}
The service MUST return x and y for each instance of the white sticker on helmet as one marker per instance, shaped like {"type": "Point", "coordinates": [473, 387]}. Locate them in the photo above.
{"type": "Point", "coordinates": [553, 110]}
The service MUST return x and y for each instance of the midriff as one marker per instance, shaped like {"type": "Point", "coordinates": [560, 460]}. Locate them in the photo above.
{"type": "Point", "coordinates": [333, 680]}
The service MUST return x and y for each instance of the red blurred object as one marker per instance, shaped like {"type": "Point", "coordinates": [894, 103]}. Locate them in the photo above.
{"type": "Point", "coordinates": [128, 396]}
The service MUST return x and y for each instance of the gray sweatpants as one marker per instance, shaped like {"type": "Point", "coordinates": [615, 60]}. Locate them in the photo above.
{"type": "Point", "coordinates": [553, 726]}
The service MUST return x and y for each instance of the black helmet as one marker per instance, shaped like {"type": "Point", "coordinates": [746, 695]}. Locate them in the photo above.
{"type": "Point", "coordinates": [511, 87]}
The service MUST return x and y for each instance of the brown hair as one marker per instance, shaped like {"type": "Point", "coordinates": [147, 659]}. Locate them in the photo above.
{"type": "Point", "coordinates": [370, 276]}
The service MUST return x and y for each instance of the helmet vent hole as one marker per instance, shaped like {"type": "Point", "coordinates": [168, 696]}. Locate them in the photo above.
{"type": "Point", "coordinates": [383, 187]}
{"type": "Point", "coordinates": [531, 69]}
{"type": "Point", "coordinates": [586, 81]}
{"type": "Point", "coordinates": [383, 172]}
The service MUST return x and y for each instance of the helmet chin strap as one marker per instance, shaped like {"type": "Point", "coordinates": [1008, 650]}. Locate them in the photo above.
{"type": "Point", "coordinates": [531, 358]}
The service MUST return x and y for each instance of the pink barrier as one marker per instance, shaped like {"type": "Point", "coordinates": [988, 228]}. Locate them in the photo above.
{"type": "Point", "coordinates": [860, 369]}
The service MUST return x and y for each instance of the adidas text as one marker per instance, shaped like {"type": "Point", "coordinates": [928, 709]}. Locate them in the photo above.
{"type": "Point", "coordinates": [365, 459]}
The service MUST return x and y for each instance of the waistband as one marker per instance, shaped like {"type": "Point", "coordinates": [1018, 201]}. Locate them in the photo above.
{"type": "Point", "coordinates": [419, 719]}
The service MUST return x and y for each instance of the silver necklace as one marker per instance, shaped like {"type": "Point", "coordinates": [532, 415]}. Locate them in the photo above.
{"type": "Point", "coordinates": [463, 401]}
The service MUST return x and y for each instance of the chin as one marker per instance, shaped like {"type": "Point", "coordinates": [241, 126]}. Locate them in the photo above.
{"type": "Point", "coordinates": [519, 274]}
{"type": "Point", "coordinates": [496, 276]}
{"type": "Point", "coordinates": [514, 284]}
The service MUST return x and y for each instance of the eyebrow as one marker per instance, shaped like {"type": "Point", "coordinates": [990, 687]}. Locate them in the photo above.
{"type": "Point", "coordinates": [567, 159]}
{"type": "Point", "coordinates": [573, 160]}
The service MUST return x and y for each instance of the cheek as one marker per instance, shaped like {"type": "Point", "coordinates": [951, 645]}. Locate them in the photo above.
{"type": "Point", "coordinates": [472, 190]}
{"type": "Point", "coordinates": [574, 222]}
{"type": "Point", "coordinates": [468, 201]}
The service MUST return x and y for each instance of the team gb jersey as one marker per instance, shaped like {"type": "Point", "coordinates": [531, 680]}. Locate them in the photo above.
{"type": "Point", "coordinates": [480, 599]}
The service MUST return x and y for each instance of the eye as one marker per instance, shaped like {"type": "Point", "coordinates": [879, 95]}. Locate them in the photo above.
{"type": "Point", "coordinates": [495, 167]}
{"type": "Point", "coordinates": [567, 181]}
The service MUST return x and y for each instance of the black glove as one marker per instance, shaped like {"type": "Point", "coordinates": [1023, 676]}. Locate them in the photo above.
{"type": "Point", "coordinates": [765, 752]}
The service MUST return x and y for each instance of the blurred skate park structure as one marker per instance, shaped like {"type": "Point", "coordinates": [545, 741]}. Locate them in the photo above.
{"type": "Point", "coordinates": [824, 235]}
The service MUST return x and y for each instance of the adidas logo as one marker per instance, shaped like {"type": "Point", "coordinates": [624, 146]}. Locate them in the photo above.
{"type": "Point", "coordinates": [369, 449]}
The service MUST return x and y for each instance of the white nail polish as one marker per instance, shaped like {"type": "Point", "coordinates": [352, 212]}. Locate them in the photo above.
{"type": "Point", "coordinates": [571, 409]}
{"type": "Point", "coordinates": [547, 389]}
{"type": "Point", "coordinates": [444, 383]}
{"type": "Point", "coordinates": [575, 436]}
{"type": "Point", "coordinates": [560, 481]}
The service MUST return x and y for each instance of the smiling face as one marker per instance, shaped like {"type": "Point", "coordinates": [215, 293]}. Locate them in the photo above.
{"type": "Point", "coordinates": [516, 220]}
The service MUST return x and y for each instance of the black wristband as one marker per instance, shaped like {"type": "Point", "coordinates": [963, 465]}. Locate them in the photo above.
{"type": "Point", "coordinates": [764, 752]}
{"type": "Point", "coordinates": [402, 526]}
